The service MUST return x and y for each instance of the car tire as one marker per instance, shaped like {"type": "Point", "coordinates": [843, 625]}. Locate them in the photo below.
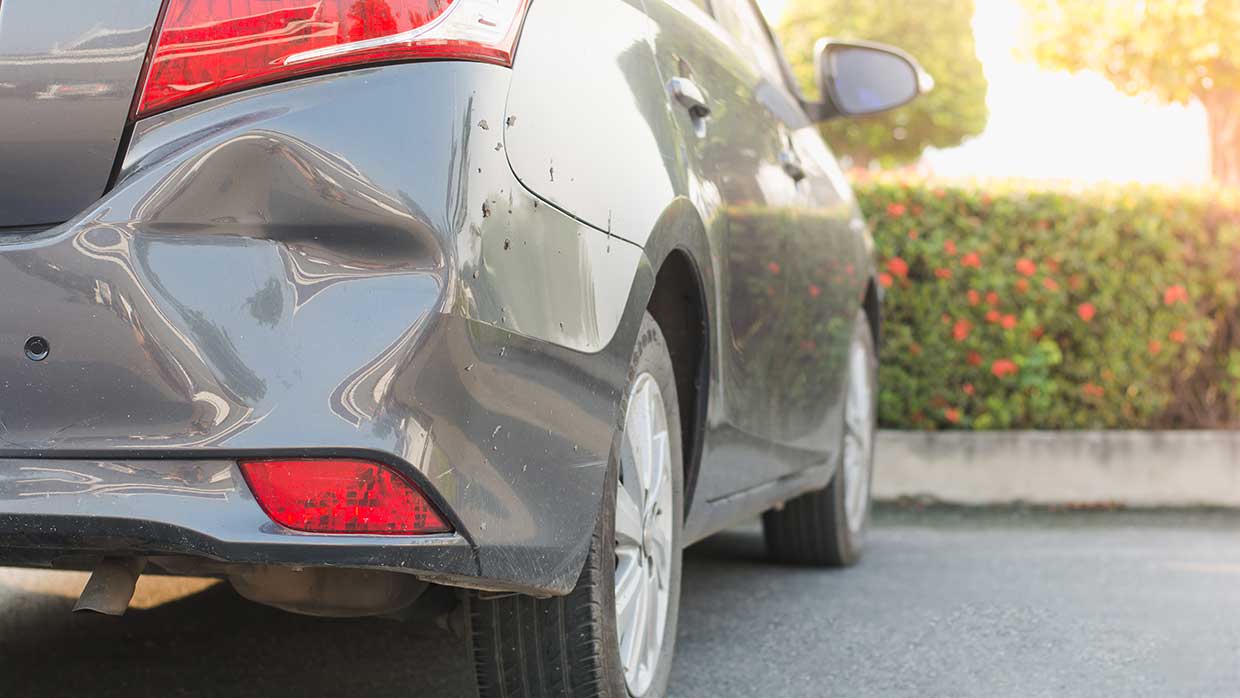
{"type": "Point", "coordinates": [571, 646]}
{"type": "Point", "coordinates": [825, 527]}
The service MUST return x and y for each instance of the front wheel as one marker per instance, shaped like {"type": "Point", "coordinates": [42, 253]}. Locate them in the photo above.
{"type": "Point", "coordinates": [613, 635]}
{"type": "Point", "coordinates": [827, 526]}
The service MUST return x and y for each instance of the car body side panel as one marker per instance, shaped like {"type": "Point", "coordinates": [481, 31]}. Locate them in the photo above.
{"type": "Point", "coordinates": [68, 71]}
{"type": "Point", "coordinates": [590, 124]}
{"type": "Point", "coordinates": [790, 258]}
{"type": "Point", "coordinates": [341, 264]}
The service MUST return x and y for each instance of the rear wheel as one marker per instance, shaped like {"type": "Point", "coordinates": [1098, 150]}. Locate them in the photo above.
{"type": "Point", "coordinates": [613, 635]}
{"type": "Point", "coordinates": [827, 526]}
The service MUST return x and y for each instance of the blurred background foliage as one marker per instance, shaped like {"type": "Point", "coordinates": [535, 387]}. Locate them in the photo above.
{"type": "Point", "coordinates": [1006, 308]}
{"type": "Point", "coordinates": [938, 33]}
{"type": "Point", "coordinates": [1174, 50]}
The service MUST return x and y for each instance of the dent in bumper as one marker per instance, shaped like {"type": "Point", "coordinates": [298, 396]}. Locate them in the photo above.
{"type": "Point", "coordinates": [344, 263]}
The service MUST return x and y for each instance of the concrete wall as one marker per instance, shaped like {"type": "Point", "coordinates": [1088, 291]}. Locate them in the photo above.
{"type": "Point", "coordinates": [1133, 468]}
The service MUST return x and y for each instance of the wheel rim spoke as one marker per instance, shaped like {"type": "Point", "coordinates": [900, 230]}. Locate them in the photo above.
{"type": "Point", "coordinates": [628, 519]}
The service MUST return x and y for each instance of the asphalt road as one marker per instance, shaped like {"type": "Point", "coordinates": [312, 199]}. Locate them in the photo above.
{"type": "Point", "coordinates": [946, 603]}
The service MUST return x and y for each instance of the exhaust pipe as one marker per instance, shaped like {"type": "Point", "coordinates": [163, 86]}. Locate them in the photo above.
{"type": "Point", "coordinates": [111, 586]}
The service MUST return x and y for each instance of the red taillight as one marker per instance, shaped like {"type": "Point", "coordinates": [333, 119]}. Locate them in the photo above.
{"type": "Point", "coordinates": [209, 47]}
{"type": "Point", "coordinates": [340, 496]}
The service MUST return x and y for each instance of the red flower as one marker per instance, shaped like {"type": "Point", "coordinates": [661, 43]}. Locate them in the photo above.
{"type": "Point", "coordinates": [917, 209]}
{"type": "Point", "coordinates": [913, 234]}
{"type": "Point", "coordinates": [1091, 390]}
{"type": "Point", "coordinates": [1003, 367]}
{"type": "Point", "coordinates": [1177, 336]}
{"type": "Point", "coordinates": [885, 279]}
{"type": "Point", "coordinates": [992, 315]}
{"type": "Point", "coordinates": [895, 210]}
{"type": "Point", "coordinates": [943, 273]}
{"type": "Point", "coordinates": [914, 349]}
{"type": "Point", "coordinates": [940, 193]}
{"type": "Point", "coordinates": [947, 319]}
{"type": "Point", "coordinates": [1175, 294]}
{"type": "Point", "coordinates": [1026, 267]}
{"type": "Point", "coordinates": [992, 299]}
{"type": "Point", "coordinates": [971, 259]}
{"type": "Point", "coordinates": [974, 297]}
{"type": "Point", "coordinates": [1022, 285]}
{"type": "Point", "coordinates": [1052, 264]}
{"type": "Point", "coordinates": [1037, 332]}
{"type": "Point", "coordinates": [968, 389]}
{"type": "Point", "coordinates": [1050, 284]}
{"type": "Point", "coordinates": [773, 267]}
{"type": "Point", "coordinates": [898, 267]}
{"type": "Point", "coordinates": [1075, 282]}
{"type": "Point", "coordinates": [949, 247]}
{"type": "Point", "coordinates": [814, 291]}
{"type": "Point", "coordinates": [1008, 322]}
{"type": "Point", "coordinates": [961, 330]}
{"type": "Point", "coordinates": [1086, 311]}
{"type": "Point", "coordinates": [1155, 347]}
{"type": "Point", "coordinates": [974, 359]}
{"type": "Point", "coordinates": [952, 414]}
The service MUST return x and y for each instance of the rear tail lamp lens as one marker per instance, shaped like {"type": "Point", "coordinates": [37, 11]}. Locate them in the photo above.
{"type": "Point", "coordinates": [208, 47]}
{"type": "Point", "coordinates": [340, 496]}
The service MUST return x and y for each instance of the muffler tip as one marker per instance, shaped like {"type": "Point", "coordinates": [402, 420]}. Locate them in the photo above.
{"type": "Point", "coordinates": [110, 587]}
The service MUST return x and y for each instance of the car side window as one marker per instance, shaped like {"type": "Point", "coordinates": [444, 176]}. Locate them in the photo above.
{"type": "Point", "coordinates": [740, 19]}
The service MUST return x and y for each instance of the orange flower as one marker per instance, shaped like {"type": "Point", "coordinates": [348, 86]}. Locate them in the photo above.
{"type": "Point", "coordinates": [913, 234]}
{"type": "Point", "coordinates": [1155, 347]}
{"type": "Point", "coordinates": [1008, 321]}
{"type": "Point", "coordinates": [974, 359]}
{"type": "Point", "coordinates": [1075, 282]}
{"type": "Point", "coordinates": [895, 210]}
{"type": "Point", "coordinates": [940, 193]}
{"type": "Point", "coordinates": [1050, 284]}
{"type": "Point", "coordinates": [992, 299]}
{"type": "Point", "coordinates": [1094, 391]}
{"type": "Point", "coordinates": [1003, 367]}
{"type": "Point", "coordinates": [773, 267]}
{"type": "Point", "coordinates": [898, 267]}
{"type": "Point", "coordinates": [992, 315]}
{"type": "Point", "coordinates": [971, 259]}
{"type": "Point", "coordinates": [943, 273]}
{"type": "Point", "coordinates": [968, 389]}
{"type": "Point", "coordinates": [974, 297]}
{"type": "Point", "coordinates": [949, 247]}
{"type": "Point", "coordinates": [814, 291]}
{"type": "Point", "coordinates": [961, 330]}
{"type": "Point", "coordinates": [1086, 311]}
{"type": "Point", "coordinates": [952, 415]}
{"type": "Point", "coordinates": [1052, 264]}
{"type": "Point", "coordinates": [1022, 285]}
{"type": "Point", "coordinates": [1175, 294]}
{"type": "Point", "coordinates": [1026, 267]}
{"type": "Point", "coordinates": [1177, 336]}
{"type": "Point", "coordinates": [914, 349]}
{"type": "Point", "coordinates": [885, 279]}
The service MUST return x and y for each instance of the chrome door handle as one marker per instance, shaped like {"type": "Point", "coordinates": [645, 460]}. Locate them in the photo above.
{"type": "Point", "coordinates": [690, 96]}
{"type": "Point", "coordinates": [791, 165]}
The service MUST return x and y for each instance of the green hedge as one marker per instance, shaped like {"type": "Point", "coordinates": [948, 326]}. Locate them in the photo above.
{"type": "Point", "coordinates": [1009, 308]}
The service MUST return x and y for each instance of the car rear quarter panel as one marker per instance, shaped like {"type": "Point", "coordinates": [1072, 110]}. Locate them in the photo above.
{"type": "Point", "coordinates": [342, 264]}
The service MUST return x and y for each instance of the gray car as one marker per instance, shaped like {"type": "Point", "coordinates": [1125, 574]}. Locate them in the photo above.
{"type": "Point", "coordinates": [469, 311]}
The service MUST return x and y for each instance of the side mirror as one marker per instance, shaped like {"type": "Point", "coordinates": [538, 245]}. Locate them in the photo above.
{"type": "Point", "coordinates": [860, 77]}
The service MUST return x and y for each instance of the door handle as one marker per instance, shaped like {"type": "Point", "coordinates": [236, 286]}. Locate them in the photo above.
{"type": "Point", "coordinates": [690, 96]}
{"type": "Point", "coordinates": [791, 165]}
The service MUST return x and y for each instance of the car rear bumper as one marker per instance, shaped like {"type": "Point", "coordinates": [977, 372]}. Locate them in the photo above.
{"type": "Point", "coordinates": [343, 265]}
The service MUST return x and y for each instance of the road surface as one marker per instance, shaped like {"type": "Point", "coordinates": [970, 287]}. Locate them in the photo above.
{"type": "Point", "coordinates": [945, 603]}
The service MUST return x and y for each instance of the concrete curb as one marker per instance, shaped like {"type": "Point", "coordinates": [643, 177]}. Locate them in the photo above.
{"type": "Point", "coordinates": [1132, 468]}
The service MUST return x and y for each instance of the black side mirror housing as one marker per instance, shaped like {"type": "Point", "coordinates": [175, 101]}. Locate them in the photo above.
{"type": "Point", "coordinates": [857, 78]}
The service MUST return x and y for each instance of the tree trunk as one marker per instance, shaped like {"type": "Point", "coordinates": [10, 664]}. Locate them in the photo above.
{"type": "Point", "coordinates": [1223, 117]}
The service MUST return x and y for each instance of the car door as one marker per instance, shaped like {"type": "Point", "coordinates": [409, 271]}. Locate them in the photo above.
{"type": "Point", "coordinates": [772, 219]}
